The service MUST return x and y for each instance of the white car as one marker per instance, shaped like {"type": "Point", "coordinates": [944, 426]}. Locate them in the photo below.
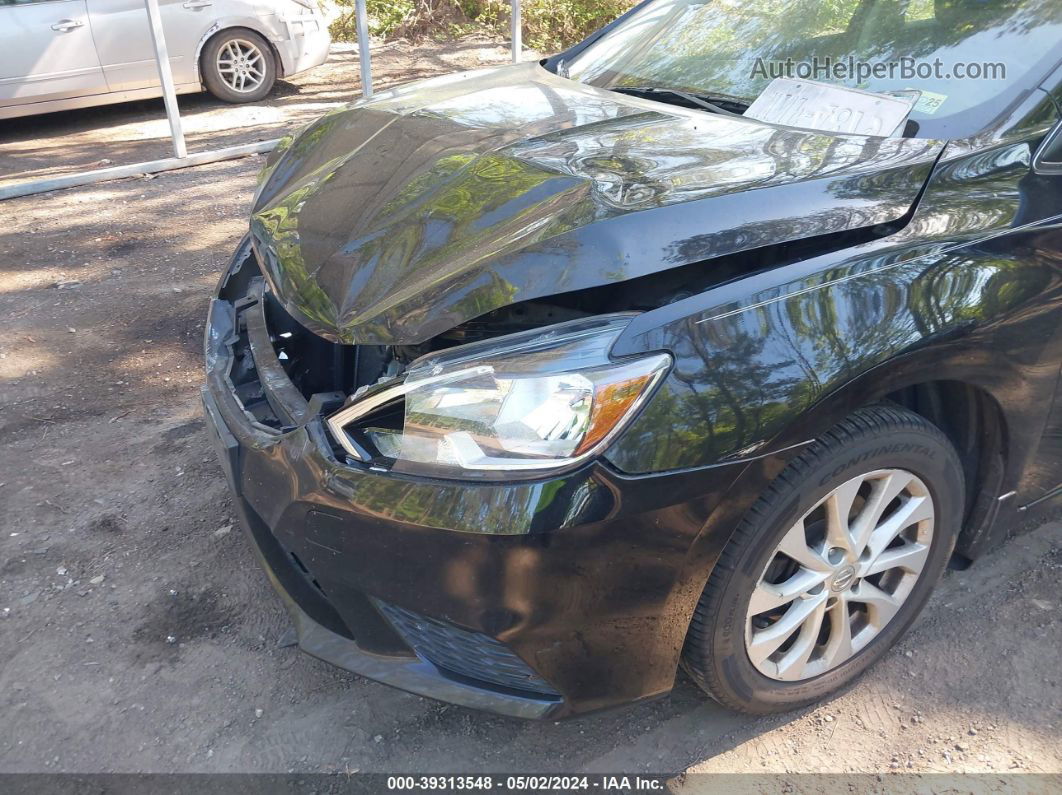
{"type": "Point", "coordinates": [63, 54]}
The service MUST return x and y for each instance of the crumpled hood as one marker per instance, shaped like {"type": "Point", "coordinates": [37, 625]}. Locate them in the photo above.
{"type": "Point", "coordinates": [393, 220]}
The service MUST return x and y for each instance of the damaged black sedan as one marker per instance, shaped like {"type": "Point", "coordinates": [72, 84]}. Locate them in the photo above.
{"type": "Point", "coordinates": [535, 383]}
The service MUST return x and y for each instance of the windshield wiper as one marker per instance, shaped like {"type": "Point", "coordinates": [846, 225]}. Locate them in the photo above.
{"type": "Point", "coordinates": [714, 104]}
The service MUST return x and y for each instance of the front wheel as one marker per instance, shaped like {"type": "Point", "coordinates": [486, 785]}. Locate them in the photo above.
{"type": "Point", "coordinates": [830, 566]}
{"type": "Point", "coordinates": [238, 66]}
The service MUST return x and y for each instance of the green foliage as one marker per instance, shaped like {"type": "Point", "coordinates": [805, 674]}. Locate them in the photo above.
{"type": "Point", "coordinates": [548, 25]}
{"type": "Point", "coordinates": [555, 24]}
{"type": "Point", "coordinates": [385, 16]}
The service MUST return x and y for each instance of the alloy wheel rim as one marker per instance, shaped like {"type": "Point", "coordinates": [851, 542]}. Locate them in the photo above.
{"type": "Point", "coordinates": [839, 575]}
{"type": "Point", "coordinates": [241, 65]}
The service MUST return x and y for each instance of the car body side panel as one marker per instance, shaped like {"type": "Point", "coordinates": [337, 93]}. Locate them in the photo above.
{"type": "Point", "coordinates": [48, 54]}
{"type": "Point", "coordinates": [1044, 476]}
{"type": "Point", "coordinates": [92, 101]}
{"type": "Point", "coordinates": [123, 39]}
{"type": "Point", "coordinates": [970, 290]}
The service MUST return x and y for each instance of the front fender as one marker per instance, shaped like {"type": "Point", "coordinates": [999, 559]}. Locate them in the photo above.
{"type": "Point", "coordinates": [778, 366]}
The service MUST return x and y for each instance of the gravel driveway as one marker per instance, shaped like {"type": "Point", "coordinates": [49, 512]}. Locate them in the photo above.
{"type": "Point", "coordinates": [138, 634]}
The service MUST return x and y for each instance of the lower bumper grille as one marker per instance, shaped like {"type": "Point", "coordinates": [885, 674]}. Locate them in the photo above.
{"type": "Point", "coordinates": [468, 654]}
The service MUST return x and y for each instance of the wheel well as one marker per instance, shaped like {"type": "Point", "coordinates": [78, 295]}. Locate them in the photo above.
{"type": "Point", "coordinates": [272, 48]}
{"type": "Point", "coordinates": [974, 423]}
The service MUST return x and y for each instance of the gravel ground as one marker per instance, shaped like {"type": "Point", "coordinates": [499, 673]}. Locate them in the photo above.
{"type": "Point", "coordinates": [138, 634]}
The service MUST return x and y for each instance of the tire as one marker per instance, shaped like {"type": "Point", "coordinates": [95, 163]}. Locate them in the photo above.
{"type": "Point", "coordinates": [727, 640]}
{"type": "Point", "coordinates": [238, 66]}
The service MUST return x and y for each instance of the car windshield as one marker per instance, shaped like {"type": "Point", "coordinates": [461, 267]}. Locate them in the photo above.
{"type": "Point", "coordinates": [966, 57]}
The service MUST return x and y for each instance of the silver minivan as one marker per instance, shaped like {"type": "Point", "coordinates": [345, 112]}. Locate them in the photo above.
{"type": "Point", "coordinates": [62, 54]}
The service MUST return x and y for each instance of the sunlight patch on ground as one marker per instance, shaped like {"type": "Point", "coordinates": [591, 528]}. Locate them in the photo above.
{"type": "Point", "coordinates": [15, 281]}
{"type": "Point", "coordinates": [24, 361]}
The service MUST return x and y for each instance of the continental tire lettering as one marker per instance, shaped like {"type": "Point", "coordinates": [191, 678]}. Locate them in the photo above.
{"type": "Point", "coordinates": [890, 449]}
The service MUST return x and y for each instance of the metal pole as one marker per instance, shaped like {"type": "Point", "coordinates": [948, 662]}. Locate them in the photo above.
{"type": "Point", "coordinates": [162, 58]}
{"type": "Point", "coordinates": [516, 32]}
{"type": "Point", "coordinates": [363, 48]}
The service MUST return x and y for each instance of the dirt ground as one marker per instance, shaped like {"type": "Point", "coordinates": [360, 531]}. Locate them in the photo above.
{"type": "Point", "coordinates": [137, 632]}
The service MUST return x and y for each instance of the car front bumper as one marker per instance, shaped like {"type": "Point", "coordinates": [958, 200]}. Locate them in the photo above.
{"type": "Point", "coordinates": [304, 44]}
{"type": "Point", "coordinates": [583, 583]}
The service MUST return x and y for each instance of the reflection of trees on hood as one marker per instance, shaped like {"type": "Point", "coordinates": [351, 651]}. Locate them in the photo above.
{"type": "Point", "coordinates": [714, 46]}
{"type": "Point", "coordinates": [277, 232]}
{"type": "Point", "coordinates": [740, 380]}
{"type": "Point", "coordinates": [465, 207]}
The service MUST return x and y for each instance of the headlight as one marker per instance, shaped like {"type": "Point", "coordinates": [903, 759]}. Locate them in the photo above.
{"type": "Point", "coordinates": [510, 407]}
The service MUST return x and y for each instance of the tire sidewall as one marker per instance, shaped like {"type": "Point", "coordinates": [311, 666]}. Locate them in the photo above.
{"type": "Point", "coordinates": [212, 77]}
{"type": "Point", "coordinates": [918, 452]}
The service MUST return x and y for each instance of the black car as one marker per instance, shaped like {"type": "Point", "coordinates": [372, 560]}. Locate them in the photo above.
{"type": "Point", "coordinates": [535, 383]}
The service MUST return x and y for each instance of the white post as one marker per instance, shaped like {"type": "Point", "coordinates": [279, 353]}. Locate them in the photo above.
{"type": "Point", "coordinates": [162, 58]}
{"type": "Point", "coordinates": [516, 32]}
{"type": "Point", "coordinates": [363, 48]}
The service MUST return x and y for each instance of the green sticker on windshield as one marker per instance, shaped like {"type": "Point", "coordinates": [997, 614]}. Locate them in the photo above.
{"type": "Point", "coordinates": [929, 103]}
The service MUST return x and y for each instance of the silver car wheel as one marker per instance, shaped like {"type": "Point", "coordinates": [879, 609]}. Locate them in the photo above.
{"type": "Point", "coordinates": [241, 65]}
{"type": "Point", "coordinates": [839, 575]}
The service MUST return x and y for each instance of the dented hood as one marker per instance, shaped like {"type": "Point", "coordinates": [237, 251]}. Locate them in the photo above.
{"type": "Point", "coordinates": [393, 220]}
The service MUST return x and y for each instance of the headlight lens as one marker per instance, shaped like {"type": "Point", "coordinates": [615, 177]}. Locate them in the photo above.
{"type": "Point", "coordinates": [510, 407]}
